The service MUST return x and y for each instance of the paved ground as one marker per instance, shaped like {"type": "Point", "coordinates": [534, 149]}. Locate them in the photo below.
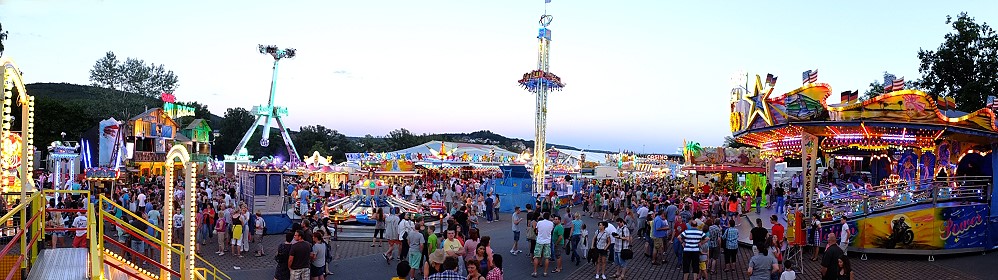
{"type": "Point", "coordinates": [357, 260]}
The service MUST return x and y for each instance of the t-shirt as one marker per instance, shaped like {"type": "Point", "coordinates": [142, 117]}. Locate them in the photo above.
{"type": "Point", "coordinates": [642, 212]}
{"type": "Point", "coordinates": [544, 229]}
{"type": "Point", "coordinates": [513, 221]}
{"type": "Point", "coordinates": [759, 235]}
{"type": "Point", "coordinates": [831, 261]}
{"type": "Point", "coordinates": [576, 227]}
{"type": "Point", "coordinates": [142, 198]}
{"type": "Point", "coordinates": [661, 227]}
{"type": "Point", "coordinates": [670, 212]}
{"type": "Point", "coordinates": [154, 217]}
{"type": "Point", "coordinates": [415, 239]}
{"type": "Point", "coordinates": [691, 240]}
{"type": "Point", "coordinates": [714, 235]}
{"type": "Point", "coordinates": [453, 245]}
{"type": "Point", "coordinates": [178, 220]}
{"type": "Point", "coordinates": [431, 242]}
{"type": "Point", "coordinates": [558, 235]}
{"type": "Point", "coordinates": [762, 267]}
{"type": "Point", "coordinates": [302, 253]}
{"type": "Point", "coordinates": [80, 222]}
{"type": "Point", "coordinates": [778, 231]}
{"type": "Point", "coordinates": [320, 254]}
{"type": "Point", "coordinates": [844, 234]}
{"type": "Point", "coordinates": [788, 275]}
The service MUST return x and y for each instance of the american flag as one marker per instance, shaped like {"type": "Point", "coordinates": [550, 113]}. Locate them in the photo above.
{"type": "Point", "coordinates": [890, 82]}
{"type": "Point", "coordinates": [810, 76]}
{"type": "Point", "coordinates": [899, 84]}
{"type": "Point", "coordinates": [771, 80]}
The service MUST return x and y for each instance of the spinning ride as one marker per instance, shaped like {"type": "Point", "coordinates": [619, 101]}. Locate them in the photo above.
{"type": "Point", "coordinates": [266, 114]}
{"type": "Point", "coordinates": [367, 196]}
{"type": "Point", "coordinates": [916, 175]}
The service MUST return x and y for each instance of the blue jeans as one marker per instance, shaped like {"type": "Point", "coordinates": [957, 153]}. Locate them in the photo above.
{"type": "Point", "coordinates": [779, 204]}
{"type": "Point", "coordinates": [488, 212]}
{"type": "Point", "coordinates": [758, 205]}
{"type": "Point", "coordinates": [677, 248]}
{"type": "Point", "coordinates": [575, 245]}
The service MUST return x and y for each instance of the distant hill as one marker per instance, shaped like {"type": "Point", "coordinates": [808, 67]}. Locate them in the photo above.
{"type": "Point", "coordinates": [480, 137]}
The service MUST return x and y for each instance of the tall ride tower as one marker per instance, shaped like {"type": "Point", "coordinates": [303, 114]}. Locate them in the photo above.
{"type": "Point", "coordinates": [266, 114]}
{"type": "Point", "coordinates": [541, 81]}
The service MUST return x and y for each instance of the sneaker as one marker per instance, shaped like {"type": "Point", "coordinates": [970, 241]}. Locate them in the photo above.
{"type": "Point", "coordinates": [603, 276]}
{"type": "Point", "coordinates": [221, 254]}
{"type": "Point", "coordinates": [597, 276]}
{"type": "Point", "coordinates": [519, 252]}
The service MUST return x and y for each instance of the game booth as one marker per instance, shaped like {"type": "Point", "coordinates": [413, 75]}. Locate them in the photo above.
{"type": "Point", "coordinates": [910, 174]}
{"type": "Point", "coordinates": [725, 169]}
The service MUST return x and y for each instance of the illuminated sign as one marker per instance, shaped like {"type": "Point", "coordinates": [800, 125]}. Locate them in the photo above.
{"type": "Point", "coordinates": [176, 111]}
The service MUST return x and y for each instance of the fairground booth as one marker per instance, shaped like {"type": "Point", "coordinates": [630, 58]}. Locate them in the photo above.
{"type": "Point", "coordinates": [910, 174]}
{"type": "Point", "coordinates": [724, 169]}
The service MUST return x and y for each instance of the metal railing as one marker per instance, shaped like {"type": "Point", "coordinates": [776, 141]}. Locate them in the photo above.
{"type": "Point", "coordinates": [204, 270]}
{"type": "Point", "coordinates": [868, 200]}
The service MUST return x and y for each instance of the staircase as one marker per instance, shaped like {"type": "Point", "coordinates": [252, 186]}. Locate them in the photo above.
{"type": "Point", "coordinates": [62, 263]}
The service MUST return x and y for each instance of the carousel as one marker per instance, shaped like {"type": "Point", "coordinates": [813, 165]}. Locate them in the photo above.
{"type": "Point", "coordinates": [909, 173]}
{"type": "Point", "coordinates": [368, 195]}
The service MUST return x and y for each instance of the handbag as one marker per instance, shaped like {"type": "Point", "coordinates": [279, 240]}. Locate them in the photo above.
{"type": "Point", "coordinates": [626, 254]}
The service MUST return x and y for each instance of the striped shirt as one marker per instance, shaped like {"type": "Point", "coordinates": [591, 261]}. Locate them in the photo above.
{"type": "Point", "coordinates": [691, 239]}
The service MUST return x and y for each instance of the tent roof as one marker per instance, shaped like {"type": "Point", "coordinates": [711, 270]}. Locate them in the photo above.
{"type": "Point", "coordinates": [456, 149]}
{"type": "Point", "coordinates": [590, 156]}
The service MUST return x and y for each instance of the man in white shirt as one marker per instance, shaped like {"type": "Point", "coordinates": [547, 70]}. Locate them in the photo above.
{"type": "Point", "coordinates": [142, 200]}
{"type": "Point", "coordinates": [844, 233]}
{"type": "Point", "coordinates": [543, 249]}
{"type": "Point", "coordinates": [80, 222]}
{"type": "Point", "coordinates": [642, 218]}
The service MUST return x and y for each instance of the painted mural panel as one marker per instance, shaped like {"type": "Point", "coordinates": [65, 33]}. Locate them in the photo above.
{"type": "Point", "coordinates": [939, 228]}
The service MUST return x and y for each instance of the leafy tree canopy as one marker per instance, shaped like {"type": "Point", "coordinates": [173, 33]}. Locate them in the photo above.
{"type": "Point", "coordinates": [965, 66]}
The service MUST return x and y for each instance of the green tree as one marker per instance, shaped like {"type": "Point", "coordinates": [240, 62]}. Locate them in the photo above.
{"type": "Point", "coordinates": [233, 126]}
{"type": "Point", "coordinates": [965, 66]}
{"type": "Point", "coordinates": [200, 112]}
{"type": "Point", "coordinates": [326, 141]}
{"type": "Point", "coordinates": [371, 144]}
{"type": "Point", "coordinates": [106, 72]}
{"type": "Point", "coordinates": [400, 139]}
{"type": "Point", "coordinates": [3, 36]}
{"type": "Point", "coordinates": [730, 142]}
{"type": "Point", "coordinates": [133, 76]}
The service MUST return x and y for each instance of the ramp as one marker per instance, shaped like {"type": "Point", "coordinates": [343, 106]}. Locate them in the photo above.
{"type": "Point", "coordinates": [58, 264]}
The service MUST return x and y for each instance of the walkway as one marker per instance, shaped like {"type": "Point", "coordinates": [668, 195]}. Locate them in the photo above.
{"type": "Point", "coordinates": [62, 263]}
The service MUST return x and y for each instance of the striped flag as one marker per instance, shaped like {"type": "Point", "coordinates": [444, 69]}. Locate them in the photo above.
{"type": "Point", "coordinates": [810, 76]}
{"type": "Point", "coordinates": [771, 80]}
{"type": "Point", "coordinates": [898, 84]}
{"type": "Point", "coordinates": [889, 82]}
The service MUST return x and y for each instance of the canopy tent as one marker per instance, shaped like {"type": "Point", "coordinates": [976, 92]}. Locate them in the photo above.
{"type": "Point", "coordinates": [598, 158]}
{"type": "Point", "coordinates": [442, 151]}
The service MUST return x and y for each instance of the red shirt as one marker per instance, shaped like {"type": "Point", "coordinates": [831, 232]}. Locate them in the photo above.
{"type": "Point", "coordinates": [778, 231]}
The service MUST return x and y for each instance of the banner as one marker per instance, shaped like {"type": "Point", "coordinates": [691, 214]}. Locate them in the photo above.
{"type": "Point", "coordinates": [809, 163]}
{"type": "Point", "coordinates": [109, 135]}
{"type": "Point", "coordinates": [937, 228]}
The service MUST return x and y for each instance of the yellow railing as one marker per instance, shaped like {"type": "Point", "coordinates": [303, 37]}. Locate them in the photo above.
{"type": "Point", "coordinates": [210, 269]}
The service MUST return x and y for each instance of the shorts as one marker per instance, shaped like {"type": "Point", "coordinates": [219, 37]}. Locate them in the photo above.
{"type": "Point", "coordinates": [237, 241]}
{"type": "Point", "coordinates": [618, 260]}
{"type": "Point", "coordinates": [691, 262]}
{"type": "Point", "coordinates": [516, 235]}
{"type": "Point", "coordinates": [542, 250]}
{"type": "Point", "coordinates": [659, 244]}
{"type": "Point", "coordinates": [729, 255]}
{"type": "Point", "coordinates": [379, 232]}
{"type": "Point", "coordinates": [415, 259]}
{"type": "Point", "coordinates": [714, 253]}
{"type": "Point", "coordinates": [556, 250]}
{"type": "Point", "coordinates": [138, 246]}
{"type": "Point", "coordinates": [316, 271]}
{"type": "Point", "coordinates": [703, 265]}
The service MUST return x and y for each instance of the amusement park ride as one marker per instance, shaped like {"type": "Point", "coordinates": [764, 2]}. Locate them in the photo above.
{"type": "Point", "coordinates": [540, 81]}
{"type": "Point", "coordinates": [928, 172]}
{"type": "Point", "coordinates": [265, 114]}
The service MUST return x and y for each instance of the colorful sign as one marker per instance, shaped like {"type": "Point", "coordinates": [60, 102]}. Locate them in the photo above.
{"type": "Point", "coordinates": [938, 228]}
{"type": "Point", "coordinates": [809, 162]}
{"type": "Point", "coordinates": [175, 111]}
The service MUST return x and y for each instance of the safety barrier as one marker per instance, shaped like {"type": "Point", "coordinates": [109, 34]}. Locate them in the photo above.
{"type": "Point", "coordinates": [864, 201]}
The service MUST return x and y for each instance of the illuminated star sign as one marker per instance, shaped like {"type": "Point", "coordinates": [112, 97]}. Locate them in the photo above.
{"type": "Point", "coordinates": [758, 98]}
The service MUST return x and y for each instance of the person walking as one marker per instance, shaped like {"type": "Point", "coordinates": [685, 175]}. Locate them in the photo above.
{"type": "Point", "coordinates": [730, 239]}
{"type": "Point", "coordinates": [543, 249]}
{"type": "Point", "coordinates": [516, 219]}
{"type": "Point", "coordinates": [576, 237]}
{"type": "Point", "coordinates": [660, 234]}
{"type": "Point", "coordinates": [844, 234]}
{"type": "Point", "coordinates": [392, 234]}
{"type": "Point", "coordinates": [261, 225]}
{"type": "Point", "coordinates": [318, 257]}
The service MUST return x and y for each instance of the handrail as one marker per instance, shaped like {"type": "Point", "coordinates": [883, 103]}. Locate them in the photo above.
{"type": "Point", "coordinates": [141, 256]}
{"type": "Point", "coordinates": [863, 201]}
{"type": "Point", "coordinates": [148, 238]}
{"type": "Point", "coordinates": [104, 199]}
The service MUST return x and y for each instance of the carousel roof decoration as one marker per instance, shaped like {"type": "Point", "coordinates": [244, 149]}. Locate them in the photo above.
{"type": "Point", "coordinates": [535, 79]}
{"type": "Point", "coordinates": [898, 118]}
{"type": "Point", "coordinates": [722, 159]}
{"type": "Point", "coordinates": [317, 160]}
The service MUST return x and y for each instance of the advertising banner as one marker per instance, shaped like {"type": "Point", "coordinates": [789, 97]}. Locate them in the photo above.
{"type": "Point", "coordinates": [936, 228]}
{"type": "Point", "coordinates": [110, 131]}
{"type": "Point", "coordinates": [809, 163]}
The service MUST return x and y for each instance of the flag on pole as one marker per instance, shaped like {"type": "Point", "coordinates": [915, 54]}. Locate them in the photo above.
{"type": "Point", "coordinates": [771, 80]}
{"type": "Point", "coordinates": [898, 84]}
{"type": "Point", "coordinates": [889, 82]}
{"type": "Point", "coordinates": [810, 76]}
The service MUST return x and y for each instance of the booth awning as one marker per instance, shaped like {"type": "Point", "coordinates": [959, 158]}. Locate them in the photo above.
{"type": "Point", "coordinates": [724, 168]}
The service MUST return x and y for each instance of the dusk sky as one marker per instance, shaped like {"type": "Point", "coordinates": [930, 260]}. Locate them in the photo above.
{"type": "Point", "coordinates": [640, 75]}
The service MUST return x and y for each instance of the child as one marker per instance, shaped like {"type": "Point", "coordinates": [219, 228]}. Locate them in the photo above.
{"type": "Point", "coordinates": [788, 272]}
{"type": "Point", "coordinates": [401, 271]}
{"type": "Point", "coordinates": [704, 251]}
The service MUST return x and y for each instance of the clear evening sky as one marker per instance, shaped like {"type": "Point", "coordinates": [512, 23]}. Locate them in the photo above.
{"type": "Point", "coordinates": [640, 75]}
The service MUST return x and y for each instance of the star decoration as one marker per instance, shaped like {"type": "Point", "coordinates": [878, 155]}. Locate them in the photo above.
{"type": "Point", "coordinates": [758, 99]}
